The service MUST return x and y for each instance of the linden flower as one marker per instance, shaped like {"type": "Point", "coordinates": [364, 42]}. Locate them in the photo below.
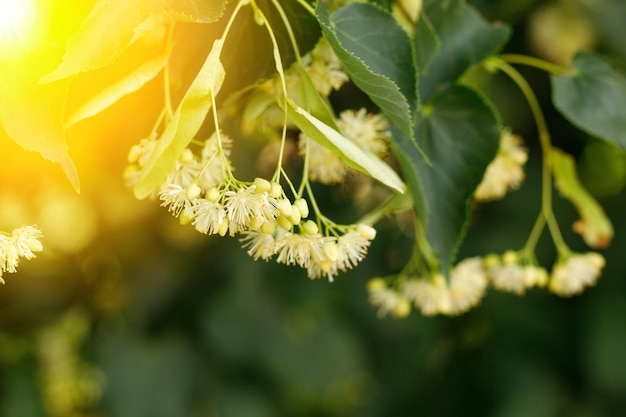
{"type": "Point", "coordinates": [174, 197]}
{"type": "Point", "coordinates": [185, 171]}
{"type": "Point", "coordinates": [261, 243]}
{"type": "Point", "coordinates": [293, 249]}
{"type": "Point", "coordinates": [245, 206]}
{"type": "Point", "coordinates": [506, 171]}
{"type": "Point", "coordinates": [572, 276]}
{"type": "Point", "coordinates": [368, 130]}
{"type": "Point", "coordinates": [207, 215]}
{"type": "Point", "coordinates": [212, 163]}
{"type": "Point", "coordinates": [325, 69]}
{"type": "Point", "coordinates": [138, 157]}
{"type": "Point", "coordinates": [352, 246]}
{"type": "Point", "coordinates": [431, 297]}
{"type": "Point", "coordinates": [468, 283]}
{"type": "Point", "coordinates": [22, 243]}
{"type": "Point", "coordinates": [387, 300]}
{"type": "Point", "coordinates": [26, 241]}
{"type": "Point", "coordinates": [325, 166]}
{"type": "Point", "coordinates": [323, 257]}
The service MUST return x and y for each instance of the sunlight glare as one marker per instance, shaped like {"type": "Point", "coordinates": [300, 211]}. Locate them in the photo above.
{"type": "Point", "coordinates": [18, 27]}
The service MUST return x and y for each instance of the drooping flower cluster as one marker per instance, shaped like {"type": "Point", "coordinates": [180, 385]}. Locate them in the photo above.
{"type": "Point", "coordinates": [23, 242]}
{"type": "Point", "coordinates": [206, 171]}
{"type": "Point", "coordinates": [434, 294]}
{"type": "Point", "coordinates": [508, 274]}
{"type": "Point", "coordinates": [506, 171]}
{"type": "Point", "coordinates": [470, 278]}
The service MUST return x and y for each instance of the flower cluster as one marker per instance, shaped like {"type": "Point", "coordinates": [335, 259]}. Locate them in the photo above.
{"type": "Point", "coordinates": [206, 170]}
{"type": "Point", "coordinates": [23, 242]}
{"type": "Point", "coordinates": [469, 280]}
{"type": "Point", "coordinates": [325, 69]}
{"type": "Point", "coordinates": [506, 171]}
{"type": "Point", "coordinates": [434, 294]}
{"type": "Point", "coordinates": [508, 274]}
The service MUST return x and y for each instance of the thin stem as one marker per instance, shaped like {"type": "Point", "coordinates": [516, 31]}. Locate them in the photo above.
{"type": "Point", "coordinates": [397, 202]}
{"type": "Point", "coordinates": [292, 37]}
{"type": "Point", "coordinates": [533, 238]}
{"type": "Point", "coordinates": [226, 171]}
{"type": "Point", "coordinates": [305, 168]}
{"type": "Point", "coordinates": [279, 68]}
{"type": "Point", "coordinates": [534, 62]}
{"type": "Point", "coordinates": [166, 74]}
{"type": "Point", "coordinates": [546, 147]}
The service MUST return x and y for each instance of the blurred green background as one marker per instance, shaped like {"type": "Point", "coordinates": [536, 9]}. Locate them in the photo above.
{"type": "Point", "coordinates": [128, 314]}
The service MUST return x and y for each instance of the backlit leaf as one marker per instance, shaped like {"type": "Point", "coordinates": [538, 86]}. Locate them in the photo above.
{"type": "Point", "coordinates": [110, 28]}
{"type": "Point", "coordinates": [129, 84]}
{"type": "Point", "coordinates": [186, 122]}
{"type": "Point", "coordinates": [32, 114]}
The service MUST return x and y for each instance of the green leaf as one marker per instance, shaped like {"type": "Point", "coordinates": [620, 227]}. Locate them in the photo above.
{"type": "Point", "coordinates": [592, 95]}
{"type": "Point", "coordinates": [349, 151]}
{"type": "Point", "coordinates": [460, 134]}
{"type": "Point", "coordinates": [426, 42]}
{"type": "Point", "coordinates": [377, 54]}
{"type": "Point", "coordinates": [594, 225]}
{"type": "Point", "coordinates": [110, 95]}
{"type": "Point", "coordinates": [187, 120]}
{"type": "Point", "coordinates": [110, 29]}
{"type": "Point", "coordinates": [465, 37]}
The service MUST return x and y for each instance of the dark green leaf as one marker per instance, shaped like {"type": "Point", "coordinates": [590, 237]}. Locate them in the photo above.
{"type": "Point", "coordinates": [459, 133]}
{"type": "Point", "coordinates": [593, 97]}
{"type": "Point", "coordinates": [466, 39]}
{"type": "Point", "coordinates": [426, 42]}
{"type": "Point", "coordinates": [378, 56]}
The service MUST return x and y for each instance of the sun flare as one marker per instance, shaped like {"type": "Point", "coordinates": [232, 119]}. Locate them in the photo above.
{"type": "Point", "coordinates": [19, 27]}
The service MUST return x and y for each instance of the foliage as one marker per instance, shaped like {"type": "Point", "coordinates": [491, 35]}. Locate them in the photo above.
{"type": "Point", "coordinates": [255, 106]}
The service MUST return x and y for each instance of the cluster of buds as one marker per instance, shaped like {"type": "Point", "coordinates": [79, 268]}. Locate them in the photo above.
{"type": "Point", "coordinates": [23, 242]}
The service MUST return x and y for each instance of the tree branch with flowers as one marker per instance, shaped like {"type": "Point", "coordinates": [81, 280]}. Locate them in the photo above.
{"type": "Point", "coordinates": [429, 136]}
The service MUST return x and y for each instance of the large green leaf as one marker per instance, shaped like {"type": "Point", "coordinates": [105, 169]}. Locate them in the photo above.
{"type": "Point", "coordinates": [465, 39]}
{"type": "Point", "coordinates": [110, 28]}
{"type": "Point", "coordinates": [459, 133]}
{"type": "Point", "coordinates": [426, 41]}
{"type": "Point", "coordinates": [377, 54]}
{"type": "Point", "coordinates": [592, 95]}
{"type": "Point", "coordinates": [187, 120]}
